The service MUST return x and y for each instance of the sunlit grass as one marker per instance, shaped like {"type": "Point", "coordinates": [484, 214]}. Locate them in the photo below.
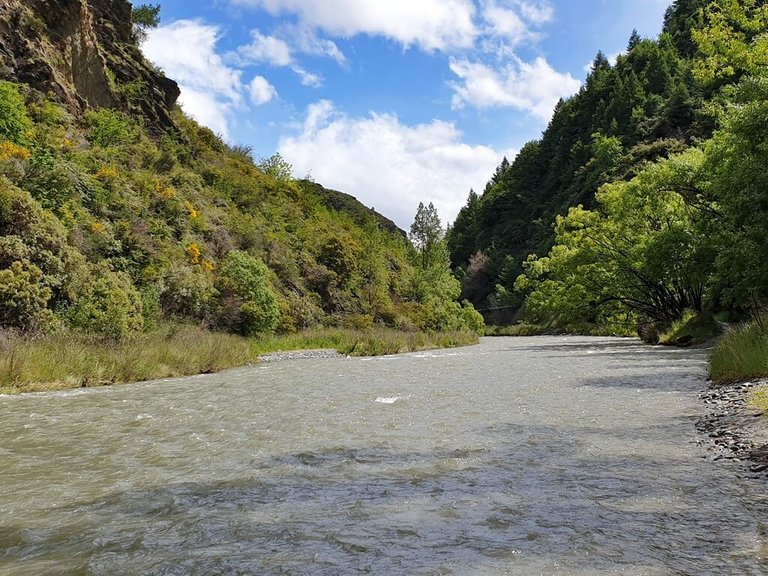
{"type": "Point", "coordinates": [520, 329]}
{"type": "Point", "coordinates": [692, 328]}
{"type": "Point", "coordinates": [741, 354]}
{"type": "Point", "coordinates": [372, 342]}
{"type": "Point", "coordinates": [759, 398]}
{"type": "Point", "coordinates": [60, 362]}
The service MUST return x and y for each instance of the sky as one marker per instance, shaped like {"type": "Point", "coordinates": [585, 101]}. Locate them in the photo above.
{"type": "Point", "coordinates": [393, 101]}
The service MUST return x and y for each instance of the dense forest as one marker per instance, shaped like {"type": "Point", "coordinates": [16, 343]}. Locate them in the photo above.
{"type": "Point", "coordinates": [645, 199]}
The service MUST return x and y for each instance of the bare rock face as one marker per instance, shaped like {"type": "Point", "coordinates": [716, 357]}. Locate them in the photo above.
{"type": "Point", "coordinates": [85, 54]}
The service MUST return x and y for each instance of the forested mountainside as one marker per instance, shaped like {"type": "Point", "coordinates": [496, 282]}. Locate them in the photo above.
{"type": "Point", "coordinates": [117, 212]}
{"type": "Point", "coordinates": [646, 195]}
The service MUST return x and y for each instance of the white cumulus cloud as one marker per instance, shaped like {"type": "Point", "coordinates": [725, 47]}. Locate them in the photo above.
{"type": "Point", "coordinates": [265, 49]}
{"type": "Point", "coordinates": [390, 165]}
{"type": "Point", "coordinates": [513, 21]}
{"type": "Point", "coordinates": [186, 51]}
{"type": "Point", "coordinates": [534, 87]}
{"type": "Point", "coordinates": [431, 24]}
{"type": "Point", "coordinates": [261, 91]}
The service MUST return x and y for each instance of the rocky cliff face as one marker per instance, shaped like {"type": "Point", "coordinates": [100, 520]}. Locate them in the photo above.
{"type": "Point", "coordinates": [84, 52]}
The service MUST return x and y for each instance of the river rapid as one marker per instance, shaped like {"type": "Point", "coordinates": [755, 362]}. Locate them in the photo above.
{"type": "Point", "coordinates": [524, 456]}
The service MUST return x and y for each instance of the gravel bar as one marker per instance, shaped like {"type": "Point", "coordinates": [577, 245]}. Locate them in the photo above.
{"type": "Point", "coordinates": [300, 355]}
{"type": "Point", "coordinates": [736, 430]}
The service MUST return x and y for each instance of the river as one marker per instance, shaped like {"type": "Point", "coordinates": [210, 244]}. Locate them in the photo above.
{"type": "Point", "coordinates": [524, 456]}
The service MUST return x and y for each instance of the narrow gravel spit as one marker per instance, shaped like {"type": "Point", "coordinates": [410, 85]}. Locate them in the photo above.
{"type": "Point", "coordinates": [736, 430]}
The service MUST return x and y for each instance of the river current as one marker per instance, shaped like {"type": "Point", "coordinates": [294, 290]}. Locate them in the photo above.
{"type": "Point", "coordinates": [525, 456]}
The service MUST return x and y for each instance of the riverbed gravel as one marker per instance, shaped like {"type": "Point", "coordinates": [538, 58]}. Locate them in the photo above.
{"type": "Point", "coordinates": [300, 355]}
{"type": "Point", "coordinates": [734, 429]}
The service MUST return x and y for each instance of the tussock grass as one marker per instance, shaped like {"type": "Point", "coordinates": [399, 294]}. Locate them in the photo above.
{"type": "Point", "coordinates": [692, 328]}
{"type": "Point", "coordinates": [520, 329]}
{"type": "Point", "coordinates": [371, 342]}
{"type": "Point", "coordinates": [759, 399]}
{"type": "Point", "coordinates": [741, 354]}
{"type": "Point", "coordinates": [67, 361]}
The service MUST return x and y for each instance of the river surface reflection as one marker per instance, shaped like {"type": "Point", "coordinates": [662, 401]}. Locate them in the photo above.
{"type": "Point", "coordinates": [545, 455]}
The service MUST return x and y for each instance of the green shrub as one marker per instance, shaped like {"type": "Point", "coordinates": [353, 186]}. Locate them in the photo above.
{"type": "Point", "coordinates": [257, 316]}
{"type": "Point", "coordinates": [30, 232]}
{"type": "Point", "coordinates": [108, 127]}
{"type": "Point", "coordinates": [439, 315]}
{"type": "Point", "coordinates": [23, 298]}
{"type": "Point", "coordinates": [48, 180]}
{"type": "Point", "coordinates": [472, 319]}
{"type": "Point", "coordinates": [299, 312]}
{"type": "Point", "coordinates": [187, 291]}
{"type": "Point", "coordinates": [247, 280]}
{"type": "Point", "coordinates": [105, 302]}
{"type": "Point", "coordinates": [14, 121]}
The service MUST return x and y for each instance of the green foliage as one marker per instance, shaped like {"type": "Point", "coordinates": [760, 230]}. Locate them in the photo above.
{"type": "Point", "coordinates": [737, 184]}
{"type": "Point", "coordinates": [143, 17]}
{"type": "Point", "coordinates": [277, 167]}
{"type": "Point", "coordinates": [603, 133]}
{"type": "Point", "coordinates": [426, 234]}
{"type": "Point", "coordinates": [641, 253]}
{"type": "Point", "coordinates": [23, 298]}
{"type": "Point", "coordinates": [133, 231]}
{"type": "Point", "coordinates": [732, 41]}
{"type": "Point", "coordinates": [471, 318]}
{"type": "Point", "coordinates": [28, 232]}
{"type": "Point", "coordinates": [48, 179]}
{"type": "Point", "coordinates": [741, 354]}
{"type": "Point", "coordinates": [108, 127]}
{"type": "Point", "coordinates": [188, 291]}
{"type": "Point", "coordinates": [461, 236]}
{"type": "Point", "coordinates": [14, 120]}
{"type": "Point", "coordinates": [246, 279]}
{"type": "Point", "coordinates": [692, 328]}
{"type": "Point", "coordinates": [105, 302]}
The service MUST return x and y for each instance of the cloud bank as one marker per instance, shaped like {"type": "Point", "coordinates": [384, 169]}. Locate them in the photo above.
{"type": "Point", "coordinates": [387, 164]}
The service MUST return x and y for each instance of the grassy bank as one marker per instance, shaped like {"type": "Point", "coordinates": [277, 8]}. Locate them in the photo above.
{"type": "Point", "coordinates": [741, 354]}
{"type": "Point", "coordinates": [66, 361]}
{"type": "Point", "coordinates": [519, 329]}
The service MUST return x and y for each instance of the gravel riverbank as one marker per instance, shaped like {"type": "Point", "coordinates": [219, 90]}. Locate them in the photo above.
{"type": "Point", "coordinates": [300, 355]}
{"type": "Point", "coordinates": [737, 431]}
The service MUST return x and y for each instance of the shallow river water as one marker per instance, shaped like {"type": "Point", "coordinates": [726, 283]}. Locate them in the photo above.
{"type": "Point", "coordinates": [527, 456]}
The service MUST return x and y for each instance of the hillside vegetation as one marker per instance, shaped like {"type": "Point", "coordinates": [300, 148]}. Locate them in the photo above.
{"type": "Point", "coordinates": [113, 225]}
{"type": "Point", "coordinates": [645, 202]}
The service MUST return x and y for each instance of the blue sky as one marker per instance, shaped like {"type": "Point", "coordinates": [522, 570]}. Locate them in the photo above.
{"type": "Point", "coordinates": [393, 101]}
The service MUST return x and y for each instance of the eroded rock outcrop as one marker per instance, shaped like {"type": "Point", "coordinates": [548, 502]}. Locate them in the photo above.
{"type": "Point", "coordinates": [83, 52]}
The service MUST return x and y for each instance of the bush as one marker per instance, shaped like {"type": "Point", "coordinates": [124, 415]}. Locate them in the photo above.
{"type": "Point", "coordinates": [108, 127]}
{"type": "Point", "coordinates": [49, 180]}
{"type": "Point", "coordinates": [472, 319]}
{"type": "Point", "coordinates": [105, 302]}
{"type": "Point", "coordinates": [29, 232]}
{"type": "Point", "coordinates": [247, 280]}
{"type": "Point", "coordinates": [187, 291]}
{"type": "Point", "coordinates": [14, 121]}
{"type": "Point", "coordinates": [23, 299]}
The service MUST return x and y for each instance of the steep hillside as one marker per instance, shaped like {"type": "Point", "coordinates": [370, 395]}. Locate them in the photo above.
{"type": "Point", "coordinates": [646, 106]}
{"type": "Point", "coordinates": [84, 52]}
{"type": "Point", "coordinates": [117, 212]}
{"type": "Point", "coordinates": [341, 202]}
{"type": "Point", "coordinates": [643, 206]}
